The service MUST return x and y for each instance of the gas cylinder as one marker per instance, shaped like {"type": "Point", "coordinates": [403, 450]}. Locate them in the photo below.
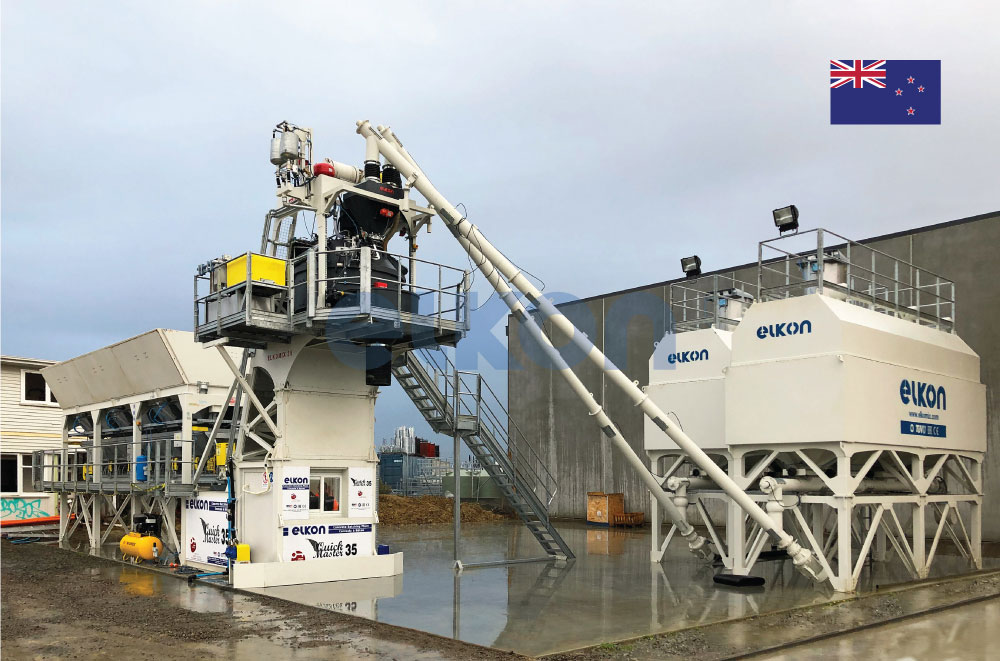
{"type": "Point", "coordinates": [144, 547]}
{"type": "Point", "coordinates": [289, 146]}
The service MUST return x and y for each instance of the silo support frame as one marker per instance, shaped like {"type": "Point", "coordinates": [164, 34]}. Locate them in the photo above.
{"type": "Point", "coordinates": [888, 509]}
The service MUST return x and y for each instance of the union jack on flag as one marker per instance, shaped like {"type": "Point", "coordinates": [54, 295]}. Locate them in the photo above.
{"type": "Point", "coordinates": [852, 71]}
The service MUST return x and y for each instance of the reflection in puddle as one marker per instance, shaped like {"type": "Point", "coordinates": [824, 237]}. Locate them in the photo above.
{"type": "Point", "coordinates": [610, 592]}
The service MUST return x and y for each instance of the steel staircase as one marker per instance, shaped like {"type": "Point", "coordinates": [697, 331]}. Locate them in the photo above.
{"type": "Point", "coordinates": [451, 399]}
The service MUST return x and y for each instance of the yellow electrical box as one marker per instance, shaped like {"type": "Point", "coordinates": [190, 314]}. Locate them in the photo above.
{"type": "Point", "coordinates": [262, 269]}
{"type": "Point", "coordinates": [220, 454]}
{"type": "Point", "coordinates": [242, 553]}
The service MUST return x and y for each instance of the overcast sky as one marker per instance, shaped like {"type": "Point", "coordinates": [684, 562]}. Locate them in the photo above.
{"type": "Point", "coordinates": [595, 143]}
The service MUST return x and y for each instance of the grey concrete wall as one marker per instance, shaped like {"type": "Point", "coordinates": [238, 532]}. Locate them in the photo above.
{"type": "Point", "coordinates": [625, 325]}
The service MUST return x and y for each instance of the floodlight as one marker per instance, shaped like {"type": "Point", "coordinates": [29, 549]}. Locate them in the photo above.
{"type": "Point", "coordinates": [691, 266]}
{"type": "Point", "coordinates": [786, 219]}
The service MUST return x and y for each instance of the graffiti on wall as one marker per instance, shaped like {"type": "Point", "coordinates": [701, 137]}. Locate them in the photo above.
{"type": "Point", "coordinates": [21, 508]}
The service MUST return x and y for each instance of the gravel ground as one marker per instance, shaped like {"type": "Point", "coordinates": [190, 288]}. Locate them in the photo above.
{"type": "Point", "coordinates": [58, 604]}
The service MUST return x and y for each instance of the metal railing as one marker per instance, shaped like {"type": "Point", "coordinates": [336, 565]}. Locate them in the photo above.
{"type": "Point", "coordinates": [448, 299]}
{"type": "Point", "coordinates": [709, 301]}
{"type": "Point", "coordinates": [116, 465]}
{"type": "Point", "coordinates": [821, 261]}
{"type": "Point", "coordinates": [268, 306]}
{"type": "Point", "coordinates": [471, 396]}
{"type": "Point", "coordinates": [439, 299]}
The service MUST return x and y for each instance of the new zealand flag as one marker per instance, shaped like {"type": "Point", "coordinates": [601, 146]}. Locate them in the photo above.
{"type": "Point", "coordinates": [885, 91]}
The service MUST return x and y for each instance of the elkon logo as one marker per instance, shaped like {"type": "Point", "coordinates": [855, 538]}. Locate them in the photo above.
{"type": "Point", "coordinates": [687, 356]}
{"type": "Point", "coordinates": [923, 394]}
{"type": "Point", "coordinates": [786, 328]}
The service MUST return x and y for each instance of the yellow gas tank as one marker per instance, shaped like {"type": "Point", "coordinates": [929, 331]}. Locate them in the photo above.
{"type": "Point", "coordinates": [145, 547]}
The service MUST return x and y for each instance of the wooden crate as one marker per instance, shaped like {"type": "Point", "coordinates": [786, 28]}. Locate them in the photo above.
{"type": "Point", "coordinates": [628, 519]}
{"type": "Point", "coordinates": [602, 507]}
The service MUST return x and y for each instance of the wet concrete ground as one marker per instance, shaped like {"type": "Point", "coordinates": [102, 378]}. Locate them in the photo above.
{"type": "Point", "coordinates": [62, 605]}
{"type": "Point", "coordinates": [966, 633]}
{"type": "Point", "coordinates": [610, 593]}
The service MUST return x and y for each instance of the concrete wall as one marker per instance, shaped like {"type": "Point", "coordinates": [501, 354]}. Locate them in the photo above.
{"type": "Point", "coordinates": [625, 325]}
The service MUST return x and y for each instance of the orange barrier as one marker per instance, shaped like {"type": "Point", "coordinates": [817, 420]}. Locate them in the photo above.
{"type": "Point", "coordinates": [10, 523]}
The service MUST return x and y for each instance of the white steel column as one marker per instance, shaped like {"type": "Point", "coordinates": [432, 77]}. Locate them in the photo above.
{"type": "Point", "coordinates": [976, 513]}
{"type": "Point", "coordinates": [843, 582]}
{"type": "Point", "coordinates": [187, 439]}
{"type": "Point", "coordinates": [656, 519]}
{"type": "Point", "coordinates": [96, 452]}
{"type": "Point", "coordinates": [137, 411]}
{"type": "Point", "coordinates": [95, 520]}
{"type": "Point", "coordinates": [63, 515]}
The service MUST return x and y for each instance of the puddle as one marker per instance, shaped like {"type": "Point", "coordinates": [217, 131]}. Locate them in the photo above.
{"type": "Point", "coordinates": [610, 592]}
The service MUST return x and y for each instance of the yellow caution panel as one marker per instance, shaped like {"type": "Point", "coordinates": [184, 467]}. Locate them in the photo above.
{"type": "Point", "coordinates": [262, 269]}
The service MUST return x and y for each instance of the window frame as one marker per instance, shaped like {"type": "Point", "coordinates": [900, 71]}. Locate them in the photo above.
{"type": "Point", "coordinates": [322, 476]}
{"type": "Point", "coordinates": [24, 487]}
{"type": "Point", "coordinates": [49, 403]}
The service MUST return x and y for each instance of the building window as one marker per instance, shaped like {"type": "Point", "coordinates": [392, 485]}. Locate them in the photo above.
{"type": "Point", "coordinates": [324, 493]}
{"type": "Point", "coordinates": [34, 390]}
{"type": "Point", "coordinates": [8, 473]}
{"type": "Point", "coordinates": [27, 484]}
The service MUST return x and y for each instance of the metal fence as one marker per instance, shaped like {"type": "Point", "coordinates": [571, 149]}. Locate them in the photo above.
{"type": "Point", "coordinates": [821, 261]}
{"type": "Point", "coordinates": [471, 397]}
{"type": "Point", "coordinates": [440, 295]}
{"type": "Point", "coordinates": [116, 465]}
{"type": "Point", "coordinates": [710, 301]}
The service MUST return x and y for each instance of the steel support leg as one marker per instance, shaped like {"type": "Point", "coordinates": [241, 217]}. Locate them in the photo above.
{"type": "Point", "coordinates": [457, 515]}
{"type": "Point", "coordinates": [95, 519]}
{"type": "Point", "coordinates": [920, 537]}
{"type": "Point", "coordinates": [845, 567]}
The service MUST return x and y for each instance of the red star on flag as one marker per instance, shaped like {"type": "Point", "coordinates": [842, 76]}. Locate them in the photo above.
{"type": "Point", "coordinates": [910, 110]}
{"type": "Point", "coordinates": [920, 89]}
{"type": "Point", "coordinates": [899, 92]}
{"type": "Point", "coordinates": [910, 80]}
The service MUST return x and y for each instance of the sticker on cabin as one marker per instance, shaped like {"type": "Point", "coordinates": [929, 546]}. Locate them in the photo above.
{"type": "Point", "coordinates": [361, 491]}
{"type": "Point", "coordinates": [315, 542]}
{"type": "Point", "coordinates": [206, 525]}
{"type": "Point", "coordinates": [295, 492]}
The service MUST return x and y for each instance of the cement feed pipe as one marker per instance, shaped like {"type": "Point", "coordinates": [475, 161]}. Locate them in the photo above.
{"type": "Point", "coordinates": [696, 543]}
{"type": "Point", "coordinates": [489, 260]}
{"type": "Point", "coordinates": [802, 558]}
{"type": "Point", "coordinates": [769, 484]}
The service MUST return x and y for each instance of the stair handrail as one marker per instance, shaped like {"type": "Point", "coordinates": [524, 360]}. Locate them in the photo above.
{"type": "Point", "coordinates": [529, 467]}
